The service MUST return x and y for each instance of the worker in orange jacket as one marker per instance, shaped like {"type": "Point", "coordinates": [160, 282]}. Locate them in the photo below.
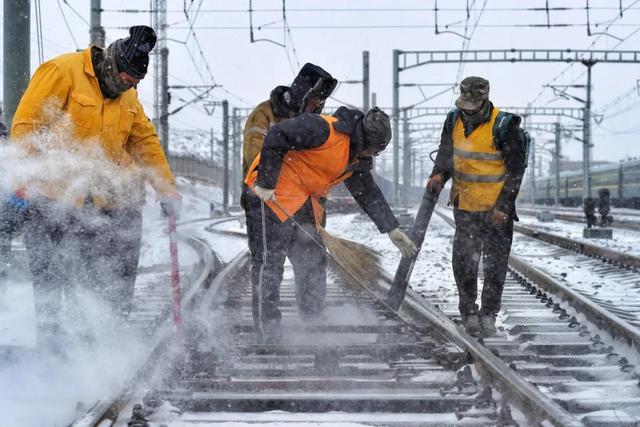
{"type": "Point", "coordinates": [300, 161]}
{"type": "Point", "coordinates": [89, 147]}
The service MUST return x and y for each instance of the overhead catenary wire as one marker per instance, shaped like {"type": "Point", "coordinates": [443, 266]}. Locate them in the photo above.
{"type": "Point", "coordinates": [197, 42]}
{"type": "Point", "coordinates": [39, 34]}
{"type": "Point", "coordinates": [68, 26]}
{"type": "Point", "coordinates": [466, 43]}
{"type": "Point", "coordinates": [568, 67]}
{"type": "Point", "coordinates": [387, 10]}
{"type": "Point", "coordinates": [380, 26]}
{"type": "Point", "coordinates": [287, 34]}
{"type": "Point", "coordinates": [75, 12]}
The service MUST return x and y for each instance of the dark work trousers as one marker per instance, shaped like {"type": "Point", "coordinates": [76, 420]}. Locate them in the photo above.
{"type": "Point", "coordinates": [477, 235]}
{"type": "Point", "coordinates": [11, 220]}
{"type": "Point", "coordinates": [270, 242]}
{"type": "Point", "coordinates": [80, 249]}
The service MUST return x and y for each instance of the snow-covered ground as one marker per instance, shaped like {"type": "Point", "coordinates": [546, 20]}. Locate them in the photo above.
{"type": "Point", "coordinates": [626, 241]}
{"type": "Point", "coordinates": [625, 214]}
{"type": "Point", "coordinates": [194, 143]}
{"type": "Point", "coordinates": [432, 274]}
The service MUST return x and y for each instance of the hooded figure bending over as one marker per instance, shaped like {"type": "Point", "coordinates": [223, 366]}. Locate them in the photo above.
{"type": "Point", "coordinates": [301, 160]}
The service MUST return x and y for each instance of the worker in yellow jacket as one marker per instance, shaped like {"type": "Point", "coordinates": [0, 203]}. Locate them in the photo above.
{"type": "Point", "coordinates": [89, 147]}
{"type": "Point", "coordinates": [484, 150]}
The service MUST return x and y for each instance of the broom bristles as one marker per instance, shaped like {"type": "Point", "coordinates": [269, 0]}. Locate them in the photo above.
{"type": "Point", "coordinates": [359, 260]}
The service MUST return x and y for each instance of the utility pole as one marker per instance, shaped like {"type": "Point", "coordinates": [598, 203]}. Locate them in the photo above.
{"type": "Point", "coordinates": [164, 100]}
{"type": "Point", "coordinates": [159, 24]}
{"type": "Point", "coordinates": [556, 156]}
{"type": "Point", "coordinates": [532, 174]}
{"type": "Point", "coordinates": [406, 156]}
{"type": "Point", "coordinates": [586, 148]}
{"type": "Point", "coordinates": [396, 125]}
{"type": "Point", "coordinates": [17, 46]}
{"type": "Point", "coordinates": [373, 104]}
{"type": "Point", "coordinates": [421, 171]}
{"type": "Point", "coordinates": [235, 181]}
{"type": "Point", "coordinates": [211, 144]}
{"type": "Point", "coordinates": [96, 32]}
{"type": "Point", "coordinates": [225, 155]}
{"type": "Point", "coordinates": [532, 169]}
{"type": "Point", "coordinates": [365, 81]}
{"type": "Point", "coordinates": [374, 99]}
{"type": "Point", "coordinates": [413, 166]}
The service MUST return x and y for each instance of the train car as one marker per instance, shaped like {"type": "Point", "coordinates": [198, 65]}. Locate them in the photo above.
{"type": "Point", "coordinates": [622, 180]}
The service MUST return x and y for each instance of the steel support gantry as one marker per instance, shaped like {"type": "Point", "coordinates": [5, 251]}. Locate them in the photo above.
{"type": "Point", "coordinates": [406, 60]}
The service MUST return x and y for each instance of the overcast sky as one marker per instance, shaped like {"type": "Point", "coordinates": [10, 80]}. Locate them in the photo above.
{"type": "Point", "coordinates": [333, 34]}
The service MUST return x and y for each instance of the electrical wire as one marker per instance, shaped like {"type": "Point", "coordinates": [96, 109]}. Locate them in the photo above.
{"type": "Point", "coordinates": [287, 32]}
{"type": "Point", "coordinates": [68, 26]}
{"type": "Point", "coordinates": [468, 43]}
{"type": "Point", "coordinates": [82, 18]}
{"type": "Point", "coordinates": [568, 67]}
{"type": "Point", "coordinates": [39, 34]}
{"type": "Point", "coordinates": [381, 26]}
{"type": "Point", "coordinates": [387, 10]}
{"type": "Point", "coordinates": [197, 42]}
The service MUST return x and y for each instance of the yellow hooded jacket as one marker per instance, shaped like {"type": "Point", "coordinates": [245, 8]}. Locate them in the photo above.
{"type": "Point", "coordinates": [256, 128]}
{"type": "Point", "coordinates": [118, 128]}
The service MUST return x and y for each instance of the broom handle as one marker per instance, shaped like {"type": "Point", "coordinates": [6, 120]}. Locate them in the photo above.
{"type": "Point", "coordinates": [175, 277]}
{"type": "Point", "coordinates": [353, 276]}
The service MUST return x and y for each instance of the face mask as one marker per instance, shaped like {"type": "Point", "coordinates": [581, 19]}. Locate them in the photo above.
{"type": "Point", "coordinates": [111, 76]}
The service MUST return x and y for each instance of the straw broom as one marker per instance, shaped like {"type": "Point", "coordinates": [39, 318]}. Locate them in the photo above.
{"type": "Point", "coordinates": [357, 259]}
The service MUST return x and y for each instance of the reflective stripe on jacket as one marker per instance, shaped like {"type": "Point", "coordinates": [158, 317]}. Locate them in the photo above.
{"type": "Point", "coordinates": [309, 173]}
{"type": "Point", "coordinates": [113, 130]}
{"type": "Point", "coordinates": [478, 167]}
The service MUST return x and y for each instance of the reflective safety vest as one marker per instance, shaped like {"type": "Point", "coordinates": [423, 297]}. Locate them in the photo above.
{"type": "Point", "coordinates": [308, 173]}
{"type": "Point", "coordinates": [478, 167]}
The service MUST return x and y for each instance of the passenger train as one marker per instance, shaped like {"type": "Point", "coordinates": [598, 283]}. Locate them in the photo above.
{"type": "Point", "coordinates": [622, 180]}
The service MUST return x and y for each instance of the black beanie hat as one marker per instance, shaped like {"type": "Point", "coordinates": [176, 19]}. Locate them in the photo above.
{"type": "Point", "coordinates": [132, 53]}
{"type": "Point", "coordinates": [377, 129]}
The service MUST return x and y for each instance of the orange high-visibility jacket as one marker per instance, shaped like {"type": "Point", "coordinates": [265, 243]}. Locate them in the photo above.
{"type": "Point", "coordinates": [308, 174]}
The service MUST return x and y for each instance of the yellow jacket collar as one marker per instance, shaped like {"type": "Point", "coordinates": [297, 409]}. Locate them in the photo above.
{"type": "Point", "coordinates": [88, 63]}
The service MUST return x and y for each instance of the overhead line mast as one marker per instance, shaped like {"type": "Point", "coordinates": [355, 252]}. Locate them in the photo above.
{"type": "Point", "coordinates": [160, 72]}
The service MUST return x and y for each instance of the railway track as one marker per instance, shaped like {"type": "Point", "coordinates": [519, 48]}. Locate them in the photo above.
{"type": "Point", "coordinates": [627, 224]}
{"type": "Point", "coordinates": [610, 256]}
{"type": "Point", "coordinates": [616, 287]}
{"type": "Point", "coordinates": [362, 363]}
{"type": "Point", "coordinates": [573, 347]}
{"type": "Point", "coordinates": [151, 318]}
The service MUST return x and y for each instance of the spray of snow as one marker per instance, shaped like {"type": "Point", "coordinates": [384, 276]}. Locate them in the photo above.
{"type": "Point", "coordinates": [99, 350]}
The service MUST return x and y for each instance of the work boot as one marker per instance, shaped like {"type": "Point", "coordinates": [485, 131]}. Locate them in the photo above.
{"type": "Point", "coordinates": [488, 325]}
{"type": "Point", "coordinates": [471, 324]}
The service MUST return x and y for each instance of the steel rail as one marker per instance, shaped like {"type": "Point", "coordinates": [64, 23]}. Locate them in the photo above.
{"type": "Point", "coordinates": [622, 224]}
{"type": "Point", "coordinates": [418, 312]}
{"type": "Point", "coordinates": [605, 320]}
{"type": "Point", "coordinates": [596, 314]}
{"type": "Point", "coordinates": [594, 251]}
{"type": "Point", "coordinates": [107, 408]}
{"type": "Point", "coordinates": [526, 396]}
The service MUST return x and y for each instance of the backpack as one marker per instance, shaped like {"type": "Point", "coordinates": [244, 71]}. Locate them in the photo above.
{"type": "Point", "coordinates": [500, 129]}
